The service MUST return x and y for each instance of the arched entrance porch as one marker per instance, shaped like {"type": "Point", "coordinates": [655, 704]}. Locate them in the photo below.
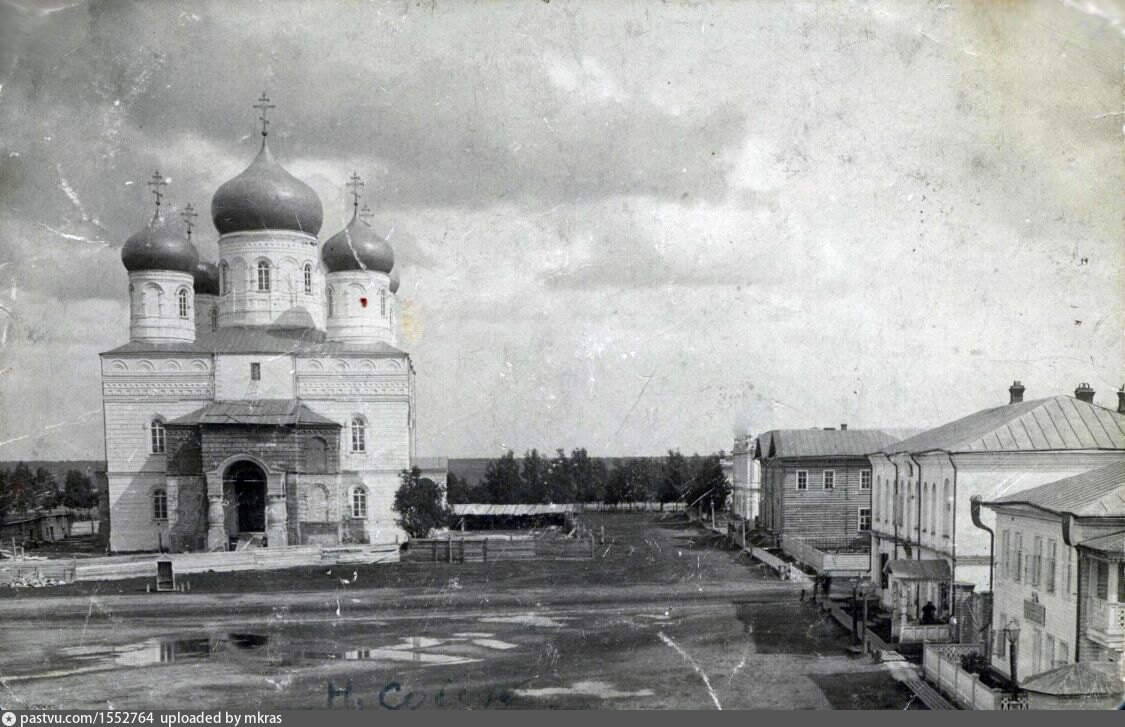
{"type": "Point", "coordinates": [244, 486]}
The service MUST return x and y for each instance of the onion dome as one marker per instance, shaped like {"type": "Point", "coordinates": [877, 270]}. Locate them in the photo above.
{"type": "Point", "coordinates": [159, 247]}
{"type": "Point", "coordinates": [357, 247]}
{"type": "Point", "coordinates": [206, 278]}
{"type": "Point", "coordinates": [395, 280]}
{"type": "Point", "coordinates": [266, 197]}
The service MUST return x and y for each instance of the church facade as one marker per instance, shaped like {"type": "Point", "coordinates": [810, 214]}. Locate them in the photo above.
{"type": "Point", "coordinates": [261, 401]}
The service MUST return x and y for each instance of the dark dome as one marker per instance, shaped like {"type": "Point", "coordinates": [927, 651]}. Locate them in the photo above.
{"type": "Point", "coordinates": [158, 247]}
{"type": "Point", "coordinates": [266, 197]}
{"type": "Point", "coordinates": [206, 278]}
{"type": "Point", "coordinates": [395, 281]}
{"type": "Point", "coordinates": [357, 247]}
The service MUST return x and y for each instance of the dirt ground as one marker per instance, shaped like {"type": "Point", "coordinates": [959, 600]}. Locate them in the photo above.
{"type": "Point", "coordinates": [665, 616]}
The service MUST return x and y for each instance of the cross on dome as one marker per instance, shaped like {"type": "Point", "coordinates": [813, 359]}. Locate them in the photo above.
{"type": "Point", "coordinates": [188, 215]}
{"type": "Point", "coordinates": [156, 183]}
{"type": "Point", "coordinates": [264, 105]}
{"type": "Point", "coordinates": [355, 183]}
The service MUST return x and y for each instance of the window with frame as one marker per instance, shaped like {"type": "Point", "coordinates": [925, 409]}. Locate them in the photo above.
{"type": "Point", "coordinates": [1121, 582]}
{"type": "Point", "coordinates": [214, 319]}
{"type": "Point", "coordinates": [224, 275]}
{"type": "Point", "coordinates": [829, 479]}
{"type": "Point", "coordinates": [1063, 656]}
{"type": "Point", "coordinates": [1001, 637]}
{"type": "Point", "coordinates": [1052, 564]}
{"type": "Point", "coordinates": [1006, 538]}
{"type": "Point", "coordinates": [947, 514]}
{"type": "Point", "coordinates": [925, 504]}
{"type": "Point", "coordinates": [359, 434]}
{"type": "Point", "coordinates": [865, 479]}
{"type": "Point", "coordinates": [331, 301]}
{"type": "Point", "coordinates": [255, 371]}
{"type": "Point", "coordinates": [1034, 563]}
{"type": "Point", "coordinates": [184, 305]}
{"type": "Point", "coordinates": [1101, 574]}
{"type": "Point", "coordinates": [802, 480]}
{"type": "Point", "coordinates": [864, 519]}
{"type": "Point", "coordinates": [1017, 564]}
{"type": "Point", "coordinates": [160, 504]}
{"type": "Point", "coordinates": [156, 436]}
{"type": "Point", "coordinates": [308, 279]}
{"type": "Point", "coordinates": [359, 502]}
{"type": "Point", "coordinates": [263, 276]}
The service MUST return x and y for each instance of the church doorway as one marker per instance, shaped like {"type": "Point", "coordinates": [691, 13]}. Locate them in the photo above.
{"type": "Point", "coordinates": [247, 483]}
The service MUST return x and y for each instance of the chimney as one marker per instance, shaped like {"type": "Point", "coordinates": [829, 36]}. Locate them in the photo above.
{"type": "Point", "coordinates": [1121, 400]}
{"type": "Point", "coordinates": [1084, 393]}
{"type": "Point", "coordinates": [843, 427]}
{"type": "Point", "coordinates": [1016, 390]}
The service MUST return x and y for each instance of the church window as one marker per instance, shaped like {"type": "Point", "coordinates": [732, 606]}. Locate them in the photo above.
{"type": "Point", "coordinates": [331, 304]}
{"type": "Point", "coordinates": [383, 303]}
{"type": "Point", "coordinates": [255, 371]}
{"type": "Point", "coordinates": [359, 502]}
{"type": "Point", "coordinates": [224, 286]}
{"type": "Point", "coordinates": [359, 434]}
{"type": "Point", "coordinates": [182, 297]}
{"type": "Point", "coordinates": [160, 504]}
{"type": "Point", "coordinates": [264, 276]}
{"type": "Point", "coordinates": [214, 319]}
{"type": "Point", "coordinates": [156, 432]}
{"type": "Point", "coordinates": [308, 279]}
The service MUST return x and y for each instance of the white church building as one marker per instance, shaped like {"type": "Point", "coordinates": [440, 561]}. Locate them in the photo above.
{"type": "Point", "coordinates": [262, 400]}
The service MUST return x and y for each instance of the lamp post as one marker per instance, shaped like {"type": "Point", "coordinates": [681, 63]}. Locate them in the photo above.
{"type": "Point", "coordinates": [1012, 631]}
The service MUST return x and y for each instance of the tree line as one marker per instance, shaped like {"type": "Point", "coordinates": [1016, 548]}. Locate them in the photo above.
{"type": "Point", "coordinates": [23, 490]}
{"type": "Point", "coordinates": [577, 477]}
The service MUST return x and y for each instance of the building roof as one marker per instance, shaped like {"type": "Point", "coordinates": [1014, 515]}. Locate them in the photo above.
{"type": "Point", "coordinates": [1054, 423]}
{"type": "Point", "coordinates": [920, 570]}
{"type": "Point", "coordinates": [822, 442]}
{"type": "Point", "coordinates": [244, 339]}
{"type": "Point", "coordinates": [1098, 492]}
{"type": "Point", "coordinates": [1075, 680]}
{"type": "Point", "coordinates": [274, 412]}
{"type": "Point", "coordinates": [522, 509]}
{"type": "Point", "coordinates": [1112, 544]}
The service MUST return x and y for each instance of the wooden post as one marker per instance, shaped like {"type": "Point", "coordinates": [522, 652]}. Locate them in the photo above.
{"type": "Point", "coordinates": [743, 534]}
{"type": "Point", "coordinates": [603, 535]}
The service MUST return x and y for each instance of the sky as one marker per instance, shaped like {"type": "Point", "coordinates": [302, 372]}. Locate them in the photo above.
{"type": "Point", "coordinates": [625, 226]}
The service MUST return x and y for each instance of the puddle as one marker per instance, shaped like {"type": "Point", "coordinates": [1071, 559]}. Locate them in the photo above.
{"type": "Point", "coordinates": [494, 644]}
{"type": "Point", "coordinates": [528, 619]}
{"type": "Point", "coordinates": [602, 690]}
{"type": "Point", "coordinates": [474, 634]}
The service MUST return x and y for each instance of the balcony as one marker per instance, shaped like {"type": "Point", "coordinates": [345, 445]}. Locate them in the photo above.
{"type": "Point", "coordinates": [1105, 623]}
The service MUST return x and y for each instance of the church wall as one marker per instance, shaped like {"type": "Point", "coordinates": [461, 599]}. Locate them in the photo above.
{"type": "Point", "coordinates": [286, 304]}
{"type": "Point", "coordinates": [187, 510]}
{"type": "Point", "coordinates": [278, 447]}
{"type": "Point", "coordinates": [233, 377]}
{"type": "Point", "coordinates": [184, 450]}
{"type": "Point", "coordinates": [131, 505]}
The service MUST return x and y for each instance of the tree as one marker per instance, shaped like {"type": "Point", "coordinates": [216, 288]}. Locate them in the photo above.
{"type": "Point", "coordinates": [617, 487]}
{"type": "Point", "coordinates": [20, 484]}
{"type": "Point", "coordinates": [458, 490]}
{"type": "Point", "coordinates": [560, 479]}
{"type": "Point", "coordinates": [709, 485]}
{"type": "Point", "coordinates": [420, 504]}
{"type": "Point", "coordinates": [674, 478]}
{"type": "Point", "coordinates": [534, 477]}
{"type": "Point", "coordinates": [78, 490]}
{"type": "Point", "coordinates": [45, 490]}
{"type": "Point", "coordinates": [6, 495]}
{"type": "Point", "coordinates": [502, 483]}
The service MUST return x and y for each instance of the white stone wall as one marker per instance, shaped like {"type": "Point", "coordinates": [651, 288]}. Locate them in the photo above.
{"type": "Point", "coordinates": [286, 304]}
{"type": "Point", "coordinates": [233, 377]}
{"type": "Point", "coordinates": [154, 310]}
{"type": "Point", "coordinates": [204, 304]}
{"type": "Point", "coordinates": [361, 308]}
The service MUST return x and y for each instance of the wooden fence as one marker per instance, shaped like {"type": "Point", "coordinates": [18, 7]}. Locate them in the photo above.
{"type": "Point", "coordinates": [629, 507]}
{"type": "Point", "coordinates": [480, 550]}
{"type": "Point", "coordinates": [941, 665]}
{"type": "Point", "coordinates": [23, 571]}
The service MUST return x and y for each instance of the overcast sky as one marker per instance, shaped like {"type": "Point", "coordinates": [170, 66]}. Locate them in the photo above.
{"type": "Point", "coordinates": [624, 226]}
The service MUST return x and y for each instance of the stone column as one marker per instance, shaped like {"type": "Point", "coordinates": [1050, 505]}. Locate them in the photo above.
{"type": "Point", "coordinates": [277, 524]}
{"type": "Point", "coordinates": [216, 523]}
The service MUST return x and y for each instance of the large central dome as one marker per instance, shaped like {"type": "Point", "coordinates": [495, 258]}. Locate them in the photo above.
{"type": "Point", "coordinates": [266, 197]}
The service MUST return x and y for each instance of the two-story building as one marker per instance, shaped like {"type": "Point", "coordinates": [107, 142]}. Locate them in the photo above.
{"type": "Point", "coordinates": [923, 486]}
{"type": "Point", "coordinates": [816, 493]}
{"type": "Point", "coordinates": [746, 479]}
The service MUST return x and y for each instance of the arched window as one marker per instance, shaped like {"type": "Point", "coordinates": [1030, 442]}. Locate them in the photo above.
{"type": "Point", "coordinates": [308, 279]}
{"type": "Point", "coordinates": [224, 278]}
{"type": "Point", "coordinates": [214, 319]}
{"type": "Point", "coordinates": [264, 276]}
{"type": "Point", "coordinates": [182, 298]}
{"type": "Point", "coordinates": [331, 305]}
{"type": "Point", "coordinates": [947, 514]}
{"type": "Point", "coordinates": [156, 432]}
{"type": "Point", "coordinates": [160, 504]}
{"type": "Point", "coordinates": [383, 302]}
{"type": "Point", "coordinates": [359, 502]}
{"type": "Point", "coordinates": [359, 434]}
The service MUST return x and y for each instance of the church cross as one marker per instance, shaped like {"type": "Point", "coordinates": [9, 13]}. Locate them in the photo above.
{"type": "Point", "coordinates": [264, 105]}
{"type": "Point", "coordinates": [355, 184]}
{"type": "Point", "coordinates": [189, 214]}
{"type": "Point", "coordinates": [156, 183]}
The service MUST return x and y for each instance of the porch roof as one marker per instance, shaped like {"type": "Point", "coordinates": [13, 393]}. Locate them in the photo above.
{"type": "Point", "coordinates": [275, 412]}
{"type": "Point", "coordinates": [920, 570]}
{"type": "Point", "coordinates": [1112, 544]}
{"type": "Point", "coordinates": [1073, 680]}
